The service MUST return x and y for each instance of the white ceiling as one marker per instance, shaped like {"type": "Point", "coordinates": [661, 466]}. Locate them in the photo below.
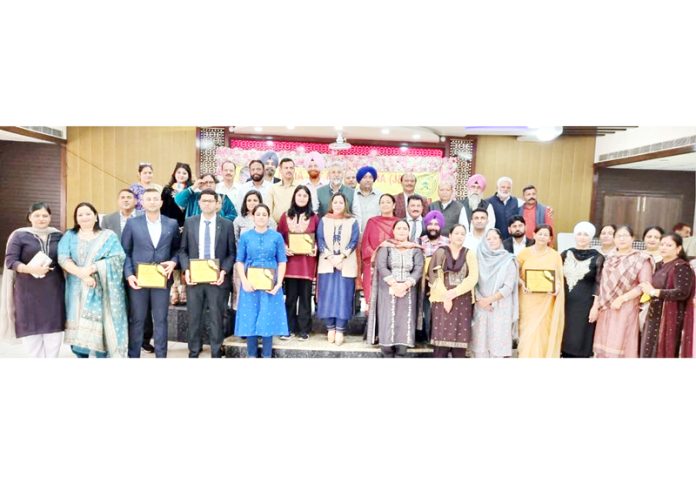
{"type": "Point", "coordinates": [685, 162]}
{"type": "Point", "coordinates": [7, 136]}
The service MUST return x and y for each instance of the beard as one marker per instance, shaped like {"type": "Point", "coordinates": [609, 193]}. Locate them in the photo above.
{"type": "Point", "coordinates": [474, 201]}
{"type": "Point", "coordinates": [257, 177]}
{"type": "Point", "coordinates": [518, 234]}
{"type": "Point", "coordinates": [434, 234]}
{"type": "Point", "coordinates": [313, 173]}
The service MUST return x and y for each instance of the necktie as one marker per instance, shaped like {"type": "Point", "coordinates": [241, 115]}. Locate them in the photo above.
{"type": "Point", "coordinates": [414, 224]}
{"type": "Point", "coordinates": [206, 240]}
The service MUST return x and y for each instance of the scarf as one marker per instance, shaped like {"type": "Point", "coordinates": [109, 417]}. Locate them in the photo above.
{"type": "Point", "coordinates": [7, 307]}
{"type": "Point", "coordinates": [620, 275]}
{"type": "Point", "coordinates": [671, 335]}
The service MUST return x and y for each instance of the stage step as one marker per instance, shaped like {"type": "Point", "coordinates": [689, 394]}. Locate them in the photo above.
{"type": "Point", "coordinates": [318, 347]}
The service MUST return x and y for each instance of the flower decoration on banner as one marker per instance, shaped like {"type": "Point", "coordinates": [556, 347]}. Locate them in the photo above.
{"type": "Point", "coordinates": [446, 168]}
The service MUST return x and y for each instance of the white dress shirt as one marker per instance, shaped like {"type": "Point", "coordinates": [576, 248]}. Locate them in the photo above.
{"type": "Point", "coordinates": [517, 248]}
{"type": "Point", "coordinates": [155, 230]}
{"type": "Point", "coordinates": [247, 187]}
{"type": "Point", "coordinates": [231, 192]}
{"type": "Point", "coordinates": [201, 237]}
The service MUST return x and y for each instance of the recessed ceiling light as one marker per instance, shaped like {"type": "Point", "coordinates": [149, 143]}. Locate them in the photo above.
{"type": "Point", "coordinates": [385, 130]}
{"type": "Point", "coordinates": [258, 129]}
{"type": "Point", "coordinates": [416, 136]}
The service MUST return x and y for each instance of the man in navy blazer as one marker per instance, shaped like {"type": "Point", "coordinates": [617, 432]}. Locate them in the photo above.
{"type": "Point", "coordinates": [149, 238]}
{"type": "Point", "coordinates": [207, 236]}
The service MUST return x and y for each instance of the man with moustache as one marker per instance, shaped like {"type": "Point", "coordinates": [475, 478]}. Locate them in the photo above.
{"type": "Point", "coordinates": [270, 163]}
{"type": "Point", "coordinates": [408, 183]}
{"type": "Point", "coordinates": [334, 186]}
{"type": "Point", "coordinates": [280, 194]}
{"type": "Point", "coordinates": [534, 213]}
{"type": "Point", "coordinates": [414, 218]}
{"type": "Point", "coordinates": [349, 178]}
{"type": "Point", "coordinates": [476, 184]}
{"type": "Point", "coordinates": [256, 182]}
{"type": "Point", "coordinates": [227, 186]}
{"type": "Point", "coordinates": [518, 239]}
{"type": "Point", "coordinates": [504, 205]}
{"type": "Point", "coordinates": [431, 241]}
{"type": "Point", "coordinates": [314, 164]}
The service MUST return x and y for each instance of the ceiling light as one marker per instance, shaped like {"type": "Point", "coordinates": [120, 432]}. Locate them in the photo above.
{"type": "Point", "coordinates": [385, 130]}
{"type": "Point", "coordinates": [341, 143]}
{"type": "Point", "coordinates": [548, 133]}
{"type": "Point", "coordinates": [416, 136]}
{"type": "Point", "coordinates": [258, 129]}
{"type": "Point", "coordinates": [338, 128]}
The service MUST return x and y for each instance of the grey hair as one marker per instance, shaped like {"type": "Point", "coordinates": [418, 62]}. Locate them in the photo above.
{"type": "Point", "coordinates": [502, 179]}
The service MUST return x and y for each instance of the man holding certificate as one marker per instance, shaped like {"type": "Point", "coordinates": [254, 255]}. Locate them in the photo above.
{"type": "Point", "coordinates": [207, 257]}
{"type": "Point", "coordinates": [151, 243]}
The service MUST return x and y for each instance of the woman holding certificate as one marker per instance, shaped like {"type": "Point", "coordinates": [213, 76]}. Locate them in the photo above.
{"type": "Point", "coordinates": [298, 226]}
{"type": "Point", "coordinates": [33, 298]}
{"type": "Point", "coordinates": [337, 237]}
{"type": "Point", "coordinates": [625, 268]}
{"type": "Point", "coordinates": [542, 298]}
{"type": "Point", "coordinates": [95, 300]}
{"type": "Point", "coordinates": [261, 264]}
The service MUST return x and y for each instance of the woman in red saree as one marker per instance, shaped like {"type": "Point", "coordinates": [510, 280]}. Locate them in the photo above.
{"type": "Point", "coordinates": [668, 331]}
{"type": "Point", "coordinates": [377, 230]}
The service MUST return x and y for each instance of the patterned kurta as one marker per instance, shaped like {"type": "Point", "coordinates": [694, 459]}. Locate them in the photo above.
{"type": "Point", "coordinates": [397, 317]}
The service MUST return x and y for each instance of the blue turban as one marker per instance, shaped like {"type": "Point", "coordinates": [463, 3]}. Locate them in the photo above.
{"type": "Point", "coordinates": [270, 155]}
{"type": "Point", "coordinates": [364, 171]}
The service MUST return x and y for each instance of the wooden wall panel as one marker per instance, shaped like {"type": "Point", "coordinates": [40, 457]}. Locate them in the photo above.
{"type": "Point", "coordinates": [561, 170]}
{"type": "Point", "coordinates": [102, 160]}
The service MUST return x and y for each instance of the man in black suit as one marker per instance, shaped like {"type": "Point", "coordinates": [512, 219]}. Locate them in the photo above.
{"type": "Point", "coordinates": [207, 236]}
{"type": "Point", "coordinates": [414, 217]}
{"type": "Point", "coordinates": [517, 240]}
{"type": "Point", "coordinates": [147, 239]}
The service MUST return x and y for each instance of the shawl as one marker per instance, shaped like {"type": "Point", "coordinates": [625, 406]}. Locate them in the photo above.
{"type": "Point", "coordinates": [670, 334]}
{"type": "Point", "coordinates": [377, 230]}
{"type": "Point", "coordinates": [104, 305]}
{"type": "Point", "coordinates": [619, 274]}
{"type": "Point", "coordinates": [7, 307]}
{"type": "Point", "coordinates": [493, 266]}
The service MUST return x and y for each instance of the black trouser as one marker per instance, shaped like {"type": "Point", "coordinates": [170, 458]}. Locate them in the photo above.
{"type": "Point", "coordinates": [146, 303]}
{"type": "Point", "coordinates": [397, 351]}
{"type": "Point", "coordinates": [148, 331]}
{"type": "Point", "coordinates": [298, 290]}
{"type": "Point", "coordinates": [198, 297]}
{"type": "Point", "coordinates": [444, 351]}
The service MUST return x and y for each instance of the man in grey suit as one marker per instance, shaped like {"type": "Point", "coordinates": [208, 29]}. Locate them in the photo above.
{"type": "Point", "coordinates": [149, 238]}
{"type": "Point", "coordinates": [207, 236]}
{"type": "Point", "coordinates": [334, 186]}
{"type": "Point", "coordinates": [126, 210]}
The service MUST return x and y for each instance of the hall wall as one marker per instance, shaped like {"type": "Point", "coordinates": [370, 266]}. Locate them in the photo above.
{"type": "Point", "coordinates": [102, 160]}
{"type": "Point", "coordinates": [561, 170]}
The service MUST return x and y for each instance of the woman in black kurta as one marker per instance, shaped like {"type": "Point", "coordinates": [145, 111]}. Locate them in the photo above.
{"type": "Point", "coordinates": [582, 270]}
{"type": "Point", "coordinates": [36, 309]}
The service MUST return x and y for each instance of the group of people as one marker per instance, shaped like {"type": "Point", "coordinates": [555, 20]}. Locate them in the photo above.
{"type": "Point", "coordinates": [471, 277]}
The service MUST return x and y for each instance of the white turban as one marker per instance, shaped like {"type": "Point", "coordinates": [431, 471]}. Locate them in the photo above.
{"type": "Point", "coordinates": [585, 228]}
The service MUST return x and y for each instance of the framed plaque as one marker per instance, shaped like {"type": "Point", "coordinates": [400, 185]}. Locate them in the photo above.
{"type": "Point", "coordinates": [260, 278]}
{"type": "Point", "coordinates": [152, 276]}
{"type": "Point", "coordinates": [540, 280]}
{"type": "Point", "coordinates": [203, 271]}
{"type": "Point", "coordinates": [301, 244]}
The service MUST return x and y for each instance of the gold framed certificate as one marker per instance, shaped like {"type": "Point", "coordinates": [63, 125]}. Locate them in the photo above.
{"type": "Point", "coordinates": [152, 276]}
{"type": "Point", "coordinates": [301, 244]}
{"type": "Point", "coordinates": [203, 271]}
{"type": "Point", "coordinates": [260, 278]}
{"type": "Point", "coordinates": [540, 280]}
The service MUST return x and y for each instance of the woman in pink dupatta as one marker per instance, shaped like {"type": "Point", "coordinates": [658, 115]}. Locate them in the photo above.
{"type": "Point", "coordinates": [624, 270]}
{"type": "Point", "coordinates": [377, 230]}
